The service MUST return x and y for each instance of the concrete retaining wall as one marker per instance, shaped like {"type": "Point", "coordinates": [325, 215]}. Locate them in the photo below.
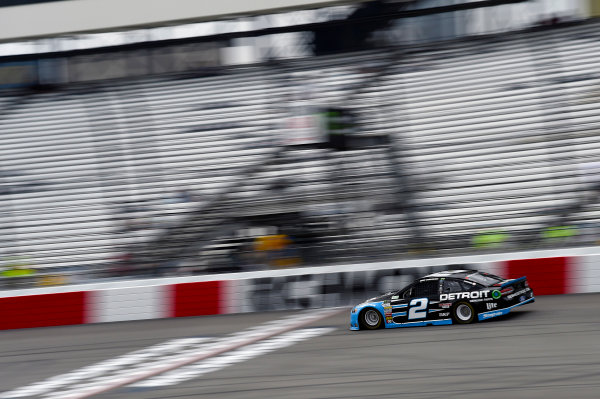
{"type": "Point", "coordinates": [316, 287]}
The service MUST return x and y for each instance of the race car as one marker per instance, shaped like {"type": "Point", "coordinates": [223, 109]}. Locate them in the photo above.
{"type": "Point", "coordinates": [453, 296]}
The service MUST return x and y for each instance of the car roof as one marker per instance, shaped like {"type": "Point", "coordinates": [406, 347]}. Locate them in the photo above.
{"type": "Point", "coordinates": [451, 273]}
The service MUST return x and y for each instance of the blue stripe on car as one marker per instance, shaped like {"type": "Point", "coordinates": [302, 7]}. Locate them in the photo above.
{"type": "Point", "coordinates": [421, 323]}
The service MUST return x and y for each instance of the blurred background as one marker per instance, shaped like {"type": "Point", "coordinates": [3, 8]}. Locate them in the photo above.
{"type": "Point", "coordinates": [139, 139]}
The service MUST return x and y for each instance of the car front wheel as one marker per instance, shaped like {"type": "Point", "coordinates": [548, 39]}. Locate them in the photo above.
{"type": "Point", "coordinates": [370, 319]}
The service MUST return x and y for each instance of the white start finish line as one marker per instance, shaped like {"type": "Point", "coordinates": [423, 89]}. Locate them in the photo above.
{"type": "Point", "coordinates": [198, 355]}
{"type": "Point", "coordinates": [239, 355]}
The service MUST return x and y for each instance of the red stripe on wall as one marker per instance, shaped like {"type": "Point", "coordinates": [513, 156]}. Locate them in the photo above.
{"type": "Point", "coordinates": [42, 310]}
{"type": "Point", "coordinates": [196, 299]}
{"type": "Point", "coordinates": [546, 276]}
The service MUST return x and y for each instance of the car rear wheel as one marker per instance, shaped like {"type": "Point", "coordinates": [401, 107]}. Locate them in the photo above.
{"type": "Point", "coordinates": [463, 313]}
{"type": "Point", "coordinates": [370, 319]}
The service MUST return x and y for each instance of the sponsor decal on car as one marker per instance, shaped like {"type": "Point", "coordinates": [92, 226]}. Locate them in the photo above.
{"type": "Point", "coordinates": [511, 296]}
{"type": "Point", "coordinates": [493, 314]}
{"type": "Point", "coordinates": [388, 319]}
{"type": "Point", "coordinates": [491, 305]}
{"type": "Point", "coordinates": [464, 295]}
{"type": "Point", "coordinates": [496, 294]}
{"type": "Point", "coordinates": [387, 310]}
{"type": "Point", "coordinates": [445, 314]}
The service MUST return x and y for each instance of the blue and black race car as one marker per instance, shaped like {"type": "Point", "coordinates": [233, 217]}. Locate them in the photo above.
{"type": "Point", "coordinates": [454, 296]}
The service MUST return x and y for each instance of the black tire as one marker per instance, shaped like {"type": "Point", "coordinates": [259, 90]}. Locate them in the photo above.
{"type": "Point", "coordinates": [370, 319]}
{"type": "Point", "coordinates": [463, 313]}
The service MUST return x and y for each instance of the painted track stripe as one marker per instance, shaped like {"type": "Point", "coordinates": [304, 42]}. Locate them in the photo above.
{"type": "Point", "coordinates": [293, 322]}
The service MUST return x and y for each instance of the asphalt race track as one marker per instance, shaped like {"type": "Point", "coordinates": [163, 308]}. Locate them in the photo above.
{"type": "Point", "coordinates": [549, 349]}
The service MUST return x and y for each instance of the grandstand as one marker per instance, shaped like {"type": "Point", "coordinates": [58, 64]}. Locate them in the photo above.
{"type": "Point", "coordinates": [490, 133]}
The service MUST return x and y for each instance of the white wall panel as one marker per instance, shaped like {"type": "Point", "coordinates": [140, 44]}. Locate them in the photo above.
{"type": "Point", "coordinates": [131, 303]}
{"type": "Point", "coordinates": [232, 300]}
{"type": "Point", "coordinates": [586, 274]}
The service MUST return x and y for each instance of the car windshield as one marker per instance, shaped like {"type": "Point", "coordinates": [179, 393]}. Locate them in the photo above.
{"type": "Point", "coordinates": [381, 297]}
{"type": "Point", "coordinates": [484, 278]}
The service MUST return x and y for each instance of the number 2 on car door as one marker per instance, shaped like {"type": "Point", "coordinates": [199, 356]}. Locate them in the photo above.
{"type": "Point", "coordinates": [418, 308]}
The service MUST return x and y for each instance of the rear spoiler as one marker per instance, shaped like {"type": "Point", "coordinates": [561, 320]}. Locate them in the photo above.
{"type": "Point", "coordinates": [510, 282]}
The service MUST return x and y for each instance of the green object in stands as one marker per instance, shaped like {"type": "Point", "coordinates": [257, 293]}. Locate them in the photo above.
{"type": "Point", "coordinates": [16, 266]}
{"type": "Point", "coordinates": [489, 239]}
{"type": "Point", "coordinates": [17, 272]}
{"type": "Point", "coordinates": [555, 232]}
